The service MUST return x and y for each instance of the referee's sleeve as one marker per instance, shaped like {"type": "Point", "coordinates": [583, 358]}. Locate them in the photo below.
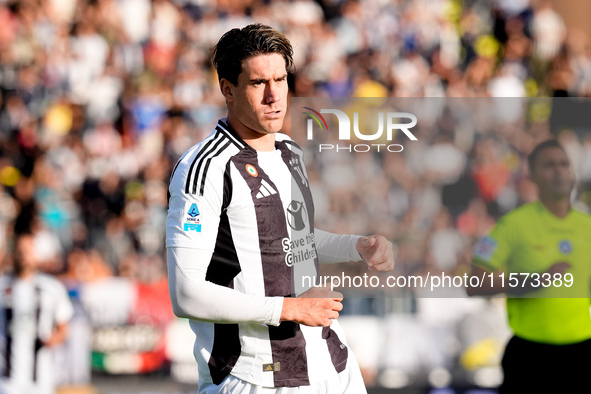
{"type": "Point", "coordinates": [63, 308]}
{"type": "Point", "coordinates": [492, 252]}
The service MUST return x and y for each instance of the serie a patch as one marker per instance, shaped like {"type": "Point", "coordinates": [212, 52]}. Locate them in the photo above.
{"type": "Point", "coordinates": [193, 212]}
{"type": "Point", "coordinates": [192, 220]}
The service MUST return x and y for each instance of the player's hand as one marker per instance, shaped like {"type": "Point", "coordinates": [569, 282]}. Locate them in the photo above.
{"type": "Point", "coordinates": [317, 307]}
{"type": "Point", "coordinates": [377, 252]}
{"type": "Point", "coordinates": [558, 268]}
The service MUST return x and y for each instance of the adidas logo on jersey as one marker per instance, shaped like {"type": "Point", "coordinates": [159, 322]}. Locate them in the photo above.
{"type": "Point", "coordinates": [274, 367]}
{"type": "Point", "coordinates": [265, 190]}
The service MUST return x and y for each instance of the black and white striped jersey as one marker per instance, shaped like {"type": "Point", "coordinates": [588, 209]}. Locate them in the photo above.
{"type": "Point", "coordinates": [29, 311]}
{"type": "Point", "coordinates": [253, 212]}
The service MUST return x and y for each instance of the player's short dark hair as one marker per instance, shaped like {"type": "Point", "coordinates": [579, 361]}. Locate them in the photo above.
{"type": "Point", "coordinates": [237, 45]}
{"type": "Point", "coordinates": [531, 159]}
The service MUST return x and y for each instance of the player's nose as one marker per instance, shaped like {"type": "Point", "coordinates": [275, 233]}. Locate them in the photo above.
{"type": "Point", "coordinates": [272, 93]}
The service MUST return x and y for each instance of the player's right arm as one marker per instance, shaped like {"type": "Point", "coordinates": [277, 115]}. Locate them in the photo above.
{"type": "Point", "coordinates": [315, 307]}
{"type": "Point", "coordinates": [191, 234]}
{"type": "Point", "coordinates": [194, 297]}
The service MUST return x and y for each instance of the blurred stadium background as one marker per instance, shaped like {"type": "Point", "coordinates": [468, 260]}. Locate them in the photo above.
{"type": "Point", "coordinates": [99, 98]}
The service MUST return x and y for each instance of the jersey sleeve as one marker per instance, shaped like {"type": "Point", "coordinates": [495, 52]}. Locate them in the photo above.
{"type": "Point", "coordinates": [193, 297]}
{"type": "Point", "coordinates": [194, 215]}
{"type": "Point", "coordinates": [493, 251]}
{"type": "Point", "coordinates": [63, 308]}
{"type": "Point", "coordinates": [336, 248]}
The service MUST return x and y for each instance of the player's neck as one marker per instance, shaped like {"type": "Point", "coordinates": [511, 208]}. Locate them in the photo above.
{"type": "Point", "coordinates": [24, 274]}
{"type": "Point", "coordinates": [558, 207]}
{"type": "Point", "coordinates": [257, 141]}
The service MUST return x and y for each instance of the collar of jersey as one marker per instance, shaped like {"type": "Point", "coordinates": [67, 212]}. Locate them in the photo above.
{"type": "Point", "coordinates": [229, 129]}
{"type": "Point", "coordinates": [547, 212]}
{"type": "Point", "coordinates": [225, 125]}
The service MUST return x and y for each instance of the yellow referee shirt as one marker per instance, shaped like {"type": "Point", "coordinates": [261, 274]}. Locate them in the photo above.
{"type": "Point", "coordinates": [530, 239]}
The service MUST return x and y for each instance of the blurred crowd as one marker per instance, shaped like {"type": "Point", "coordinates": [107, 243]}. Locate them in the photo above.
{"type": "Point", "coordinates": [100, 98]}
{"type": "Point", "coordinates": [445, 191]}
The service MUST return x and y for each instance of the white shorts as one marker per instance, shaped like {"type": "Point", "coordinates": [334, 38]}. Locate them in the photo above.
{"type": "Point", "coordinates": [349, 381]}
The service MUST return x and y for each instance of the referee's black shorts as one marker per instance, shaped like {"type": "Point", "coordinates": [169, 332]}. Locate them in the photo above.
{"type": "Point", "coordinates": [533, 367]}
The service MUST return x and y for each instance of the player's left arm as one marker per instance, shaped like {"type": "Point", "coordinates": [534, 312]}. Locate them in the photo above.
{"type": "Point", "coordinates": [59, 334]}
{"type": "Point", "coordinates": [375, 250]}
{"type": "Point", "coordinates": [62, 316]}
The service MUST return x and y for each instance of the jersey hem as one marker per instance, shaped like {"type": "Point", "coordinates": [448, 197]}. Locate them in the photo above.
{"type": "Point", "coordinates": [481, 264]}
{"type": "Point", "coordinates": [550, 342]}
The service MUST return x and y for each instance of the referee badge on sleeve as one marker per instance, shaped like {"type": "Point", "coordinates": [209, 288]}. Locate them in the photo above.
{"type": "Point", "coordinates": [485, 248]}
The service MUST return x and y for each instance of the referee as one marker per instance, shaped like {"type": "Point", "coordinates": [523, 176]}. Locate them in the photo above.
{"type": "Point", "coordinates": [550, 351]}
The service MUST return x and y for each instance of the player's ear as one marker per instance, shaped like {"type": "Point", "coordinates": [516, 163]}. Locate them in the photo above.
{"type": "Point", "coordinates": [227, 89]}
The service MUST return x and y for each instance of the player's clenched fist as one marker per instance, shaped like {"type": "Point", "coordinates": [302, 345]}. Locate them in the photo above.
{"type": "Point", "coordinates": [315, 307]}
{"type": "Point", "coordinates": [377, 252]}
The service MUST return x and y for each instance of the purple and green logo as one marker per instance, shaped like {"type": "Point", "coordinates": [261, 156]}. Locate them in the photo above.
{"type": "Point", "coordinates": [317, 117]}
{"type": "Point", "coordinates": [388, 124]}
